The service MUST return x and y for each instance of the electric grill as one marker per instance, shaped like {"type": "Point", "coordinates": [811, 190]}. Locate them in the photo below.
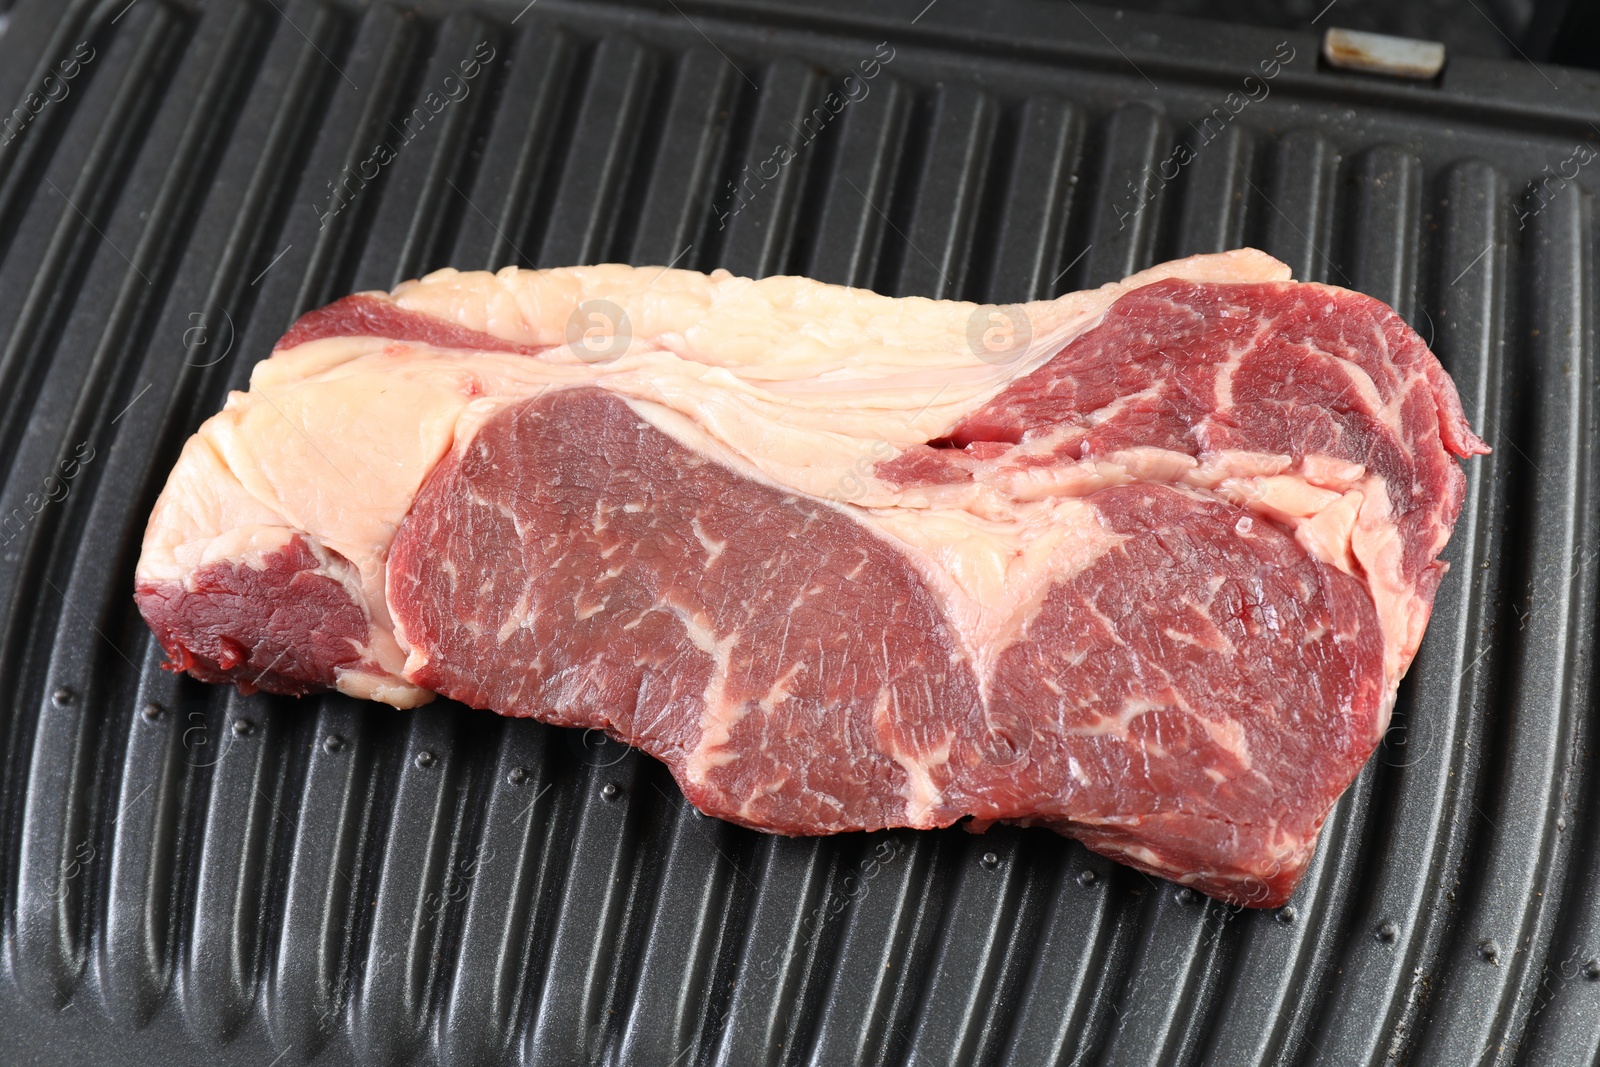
{"type": "Point", "coordinates": [194, 876]}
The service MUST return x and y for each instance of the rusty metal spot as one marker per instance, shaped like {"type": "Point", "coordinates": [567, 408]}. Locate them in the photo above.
{"type": "Point", "coordinates": [1379, 53]}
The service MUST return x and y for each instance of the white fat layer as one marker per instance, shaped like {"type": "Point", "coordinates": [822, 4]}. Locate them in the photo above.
{"type": "Point", "coordinates": [721, 713]}
{"type": "Point", "coordinates": [803, 386]}
{"type": "Point", "coordinates": [922, 795]}
{"type": "Point", "coordinates": [367, 685]}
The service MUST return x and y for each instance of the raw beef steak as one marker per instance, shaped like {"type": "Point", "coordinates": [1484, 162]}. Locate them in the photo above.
{"type": "Point", "coordinates": [1144, 564]}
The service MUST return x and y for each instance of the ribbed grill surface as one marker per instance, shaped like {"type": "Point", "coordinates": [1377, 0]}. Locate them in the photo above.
{"type": "Point", "coordinates": [189, 875]}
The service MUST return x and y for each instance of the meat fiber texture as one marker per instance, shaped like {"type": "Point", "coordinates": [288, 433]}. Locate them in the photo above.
{"type": "Point", "coordinates": [1143, 564]}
